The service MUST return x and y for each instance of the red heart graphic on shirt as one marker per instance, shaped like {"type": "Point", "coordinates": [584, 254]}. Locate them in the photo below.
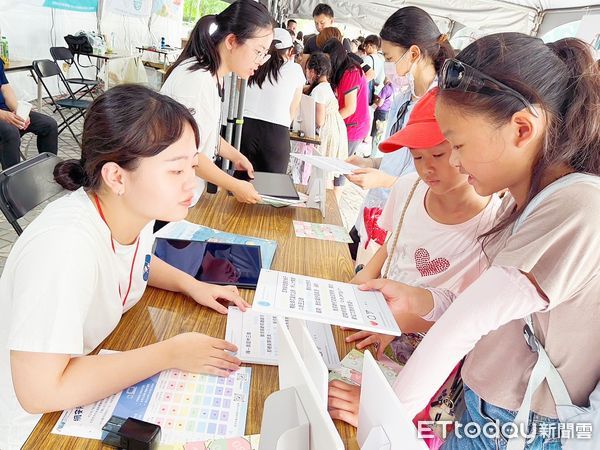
{"type": "Point", "coordinates": [426, 266]}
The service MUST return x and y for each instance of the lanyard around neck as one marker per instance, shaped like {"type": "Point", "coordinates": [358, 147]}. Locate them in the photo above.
{"type": "Point", "coordinates": [112, 243]}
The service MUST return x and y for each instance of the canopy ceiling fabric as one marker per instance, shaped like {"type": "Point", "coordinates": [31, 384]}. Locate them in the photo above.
{"type": "Point", "coordinates": [488, 16]}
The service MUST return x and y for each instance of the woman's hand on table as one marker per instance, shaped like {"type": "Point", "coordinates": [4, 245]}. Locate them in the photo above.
{"type": "Point", "coordinates": [199, 353]}
{"type": "Point", "coordinates": [342, 402]}
{"type": "Point", "coordinates": [210, 295]}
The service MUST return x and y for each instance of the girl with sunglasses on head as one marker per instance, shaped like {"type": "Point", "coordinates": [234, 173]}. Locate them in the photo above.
{"type": "Point", "coordinates": [434, 217]}
{"type": "Point", "coordinates": [235, 40]}
{"type": "Point", "coordinates": [521, 115]}
{"type": "Point", "coordinates": [91, 253]}
{"type": "Point", "coordinates": [414, 51]}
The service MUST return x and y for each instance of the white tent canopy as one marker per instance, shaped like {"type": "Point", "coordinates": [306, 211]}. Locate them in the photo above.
{"type": "Point", "coordinates": [526, 16]}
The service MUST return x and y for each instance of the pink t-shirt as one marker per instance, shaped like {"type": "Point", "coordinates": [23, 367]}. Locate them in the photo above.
{"type": "Point", "coordinates": [358, 124]}
{"type": "Point", "coordinates": [430, 254]}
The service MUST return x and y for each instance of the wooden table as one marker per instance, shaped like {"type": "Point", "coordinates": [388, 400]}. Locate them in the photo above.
{"type": "Point", "coordinates": [160, 314]}
{"type": "Point", "coordinates": [294, 136]}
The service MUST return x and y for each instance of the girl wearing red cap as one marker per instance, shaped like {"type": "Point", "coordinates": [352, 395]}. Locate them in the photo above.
{"type": "Point", "coordinates": [414, 51]}
{"type": "Point", "coordinates": [433, 217]}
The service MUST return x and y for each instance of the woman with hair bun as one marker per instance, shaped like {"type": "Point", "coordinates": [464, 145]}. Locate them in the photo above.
{"type": "Point", "coordinates": [91, 256]}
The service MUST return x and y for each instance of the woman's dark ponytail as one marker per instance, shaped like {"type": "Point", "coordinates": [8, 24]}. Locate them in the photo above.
{"type": "Point", "coordinates": [340, 61]}
{"type": "Point", "coordinates": [202, 46]}
{"type": "Point", "coordinates": [270, 69]}
{"type": "Point", "coordinates": [444, 52]}
{"type": "Point", "coordinates": [70, 174]}
{"type": "Point", "coordinates": [579, 133]}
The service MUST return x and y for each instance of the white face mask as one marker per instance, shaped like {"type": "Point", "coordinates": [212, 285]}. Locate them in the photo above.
{"type": "Point", "coordinates": [399, 82]}
{"type": "Point", "coordinates": [411, 80]}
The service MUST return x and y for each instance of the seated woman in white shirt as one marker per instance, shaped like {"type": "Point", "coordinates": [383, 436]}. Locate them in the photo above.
{"type": "Point", "coordinates": [272, 100]}
{"type": "Point", "coordinates": [90, 255]}
{"type": "Point", "coordinates": [236, 40]}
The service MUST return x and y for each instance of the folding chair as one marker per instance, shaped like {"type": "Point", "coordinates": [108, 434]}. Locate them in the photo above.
{"type": "Point", "coordinates": [63, 54]}
{"type": "Point", "coordinates": [45, 68]}
{"type": "Point", "coordinates": [27, 185]}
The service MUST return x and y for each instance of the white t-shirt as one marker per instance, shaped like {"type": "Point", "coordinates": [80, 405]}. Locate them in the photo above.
{"type": "Point", "coordinates": [322, 93]}
{"type": "Point", "coordinates": [198, 90]}
{"type": "Point", "coordinates": [59, 293]}
{"type": "Point", "coordinates": [428, 253]}
{"type": "Point", "coordinates": [272, 102]}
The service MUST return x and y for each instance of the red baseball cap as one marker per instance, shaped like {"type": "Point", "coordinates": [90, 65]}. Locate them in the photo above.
{"type": "Point", "coordinates": [422, 129]}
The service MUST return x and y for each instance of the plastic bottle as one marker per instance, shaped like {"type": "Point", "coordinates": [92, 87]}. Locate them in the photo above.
{"type": "Point", "coordinates": [5, 53]}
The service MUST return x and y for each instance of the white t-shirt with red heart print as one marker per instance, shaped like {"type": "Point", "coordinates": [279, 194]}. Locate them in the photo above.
{"type": "Point", "coordinates": [428, 253]}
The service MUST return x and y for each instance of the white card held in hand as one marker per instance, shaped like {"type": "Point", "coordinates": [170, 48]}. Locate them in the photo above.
{"type": "Point", "coordinates": [255, 334]}
{"type": "Point", "coordinates": [327, 163]}
{"type": "Point", "coordinates": [319, 300]}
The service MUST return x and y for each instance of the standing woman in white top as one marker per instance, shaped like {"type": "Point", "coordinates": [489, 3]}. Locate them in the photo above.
{"type": "Point", "coordinates": [272, 101]}
{"type": "Point", "coordinates": [236, 40]}
{"type": "Point", "coordinates": [91, 253]}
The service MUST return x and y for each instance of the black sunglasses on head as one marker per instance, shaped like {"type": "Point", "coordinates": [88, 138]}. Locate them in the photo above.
{"type": "Point", "coordinates": [458, 76]}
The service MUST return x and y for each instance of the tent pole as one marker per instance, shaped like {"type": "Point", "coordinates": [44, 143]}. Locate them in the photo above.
{"type": "Point", "coordinates": [231, 108]}
{"type": "Point", "coordinates": [451, 27]}
{"type": "Point", "coordinates": [239, 122]}
{"type": "Point", "coordinates": [539, 18]}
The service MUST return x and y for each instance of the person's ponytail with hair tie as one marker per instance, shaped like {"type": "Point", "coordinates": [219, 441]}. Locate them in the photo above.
{"type": "Point", "coordinates": [214, 26]}
{"type": "Point", "coordinates": [71, 175]}
{"type": "Point", "coordinates": [445, 51]}
{"type": "Point", "coordinates": [579, 125]}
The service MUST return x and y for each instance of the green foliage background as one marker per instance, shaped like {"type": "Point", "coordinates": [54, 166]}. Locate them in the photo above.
{"type": "Point", "coordinates": [194, 9]}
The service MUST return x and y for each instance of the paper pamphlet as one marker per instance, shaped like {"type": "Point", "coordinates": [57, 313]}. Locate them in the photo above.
{"type": "Point", "coordinates": [327, 163]}
{"type": "Point", "coordinates": [323, 231]}
{"type": "Point", "coordinates": [255, 335]}
{"type": "Point", "coordinates": [187, 406]}
{"type": "Point", "coordinates": [319, 300]}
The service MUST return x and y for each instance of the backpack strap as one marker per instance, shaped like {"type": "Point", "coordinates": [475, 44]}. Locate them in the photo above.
{"type": "Point", "coordinates": [543, 369]}
{"type": "Point", "coordinates": [565, 181]}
